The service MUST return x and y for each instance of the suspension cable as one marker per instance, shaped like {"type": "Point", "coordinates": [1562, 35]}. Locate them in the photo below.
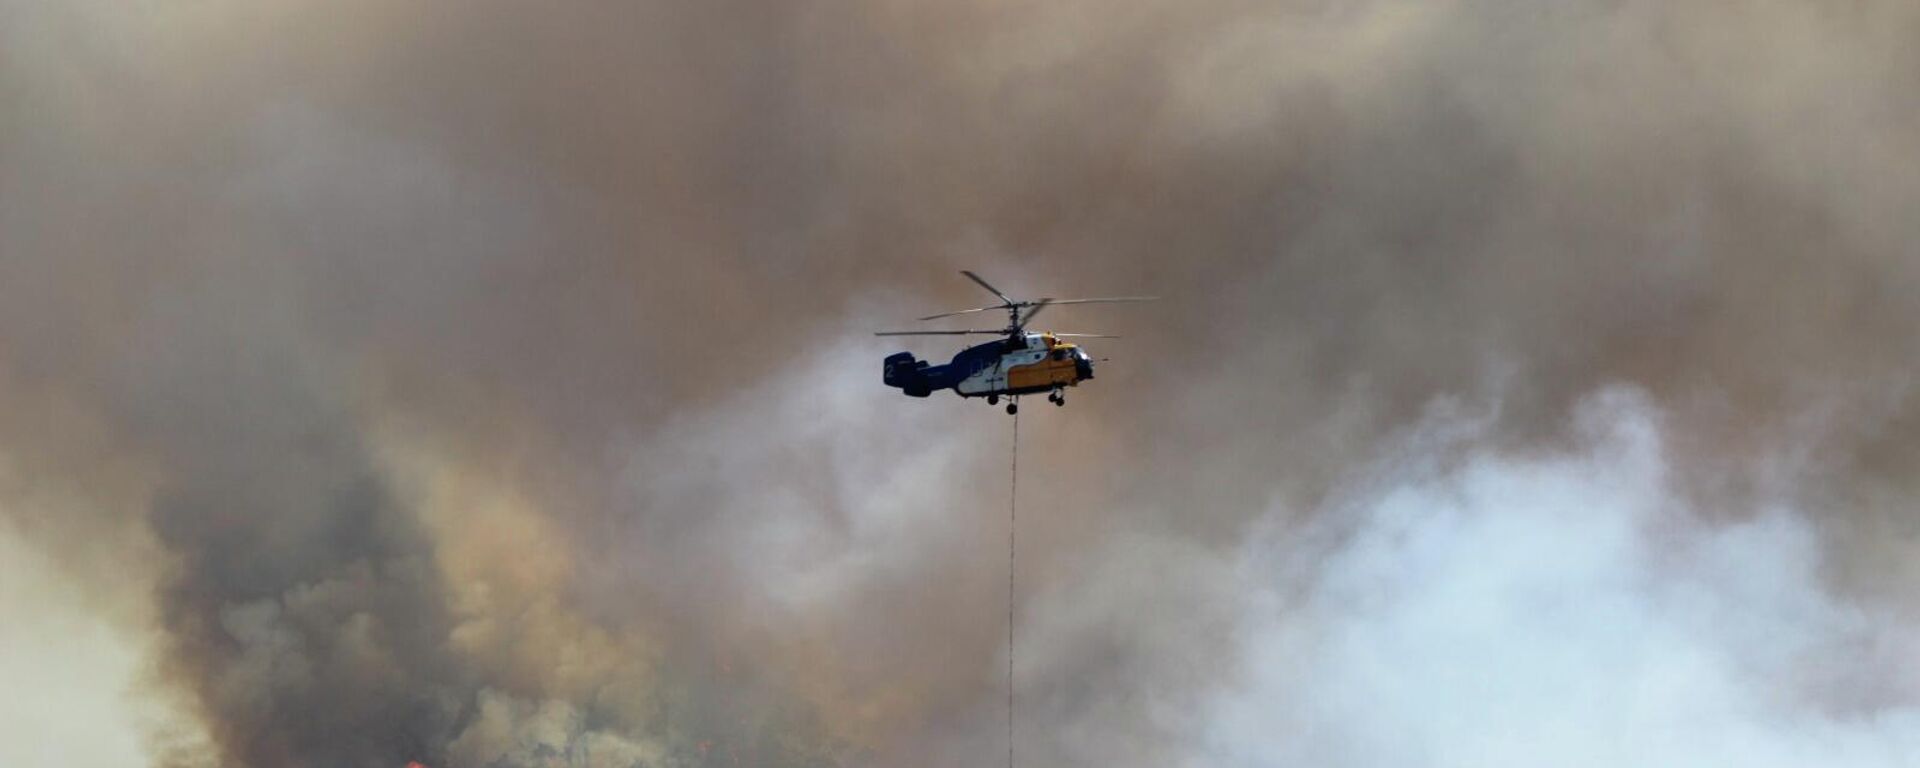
{"type": "Point", "coordinates": [1013, 497]}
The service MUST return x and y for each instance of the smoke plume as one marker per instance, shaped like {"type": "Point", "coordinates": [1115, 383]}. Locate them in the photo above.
{"type": "Point", "coordinates": [488, 384]}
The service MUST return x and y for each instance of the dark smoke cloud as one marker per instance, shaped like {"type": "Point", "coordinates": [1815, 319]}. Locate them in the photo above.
{"type": "Point", "coordinates": [488, 384]}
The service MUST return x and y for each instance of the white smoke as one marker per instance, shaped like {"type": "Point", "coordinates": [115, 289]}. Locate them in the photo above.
{"type": "Point", "coordinates": [1562, 610]}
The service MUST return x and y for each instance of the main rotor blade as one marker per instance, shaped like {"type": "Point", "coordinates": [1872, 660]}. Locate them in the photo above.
{"type": "Point", "coordinates": [939, 333]}
{"type": "Point", "coordinates": [961, 312]}
{"type": "Point", "coordinates": [984, 284]}
{"type": "Point", "coordinates": [1041, 303]}
{"type": "Point", "coordinates": [1085, 336]}
{"type": "Point", "coordinates": [1106, 300]}
{"type": "Point", "coordinates": [1037, 306]}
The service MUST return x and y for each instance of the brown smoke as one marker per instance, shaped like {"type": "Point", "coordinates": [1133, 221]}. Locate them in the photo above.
{"type": "Point", "coordinates": [487, 383]}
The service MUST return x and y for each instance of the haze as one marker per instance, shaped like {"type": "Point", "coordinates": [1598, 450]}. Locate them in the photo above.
{"type": "Point", "coordinates": [490, 383]}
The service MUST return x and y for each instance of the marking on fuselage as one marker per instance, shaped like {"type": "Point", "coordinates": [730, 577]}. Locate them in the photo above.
{"type": "Point", "coordinates": [1020, 370]}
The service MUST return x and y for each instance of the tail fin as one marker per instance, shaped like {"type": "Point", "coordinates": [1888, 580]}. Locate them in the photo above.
{"type": "Point", "coordinates": [907, 374]}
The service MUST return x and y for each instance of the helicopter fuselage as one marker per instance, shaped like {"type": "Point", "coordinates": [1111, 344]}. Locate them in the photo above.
{"type": "Point", "coordinates": [1023, 364]}
{"type": "Point", "coordinates": [1020, 363]}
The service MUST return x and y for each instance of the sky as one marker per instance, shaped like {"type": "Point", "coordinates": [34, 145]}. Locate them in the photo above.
{"type": "Point", "coordinates": [492, 383]}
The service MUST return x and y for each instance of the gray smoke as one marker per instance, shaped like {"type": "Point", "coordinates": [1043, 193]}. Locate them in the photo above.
{"type": "Point", "coordinates": [488, 384]}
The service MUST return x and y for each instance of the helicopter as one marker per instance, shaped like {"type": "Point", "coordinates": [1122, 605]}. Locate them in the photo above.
{"type": "Point", "coordinates": [1020, 363]}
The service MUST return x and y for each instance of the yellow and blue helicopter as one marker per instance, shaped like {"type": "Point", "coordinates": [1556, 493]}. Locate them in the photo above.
{"type": "Point", "coordinates": [1022, 363]}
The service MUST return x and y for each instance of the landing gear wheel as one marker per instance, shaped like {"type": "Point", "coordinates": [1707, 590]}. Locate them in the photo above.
{"type": "Point", "coordinates": [993, 399]}
{"type": "Point", "coordinates": [1012, 408]}
{"type": "Point", "coordinates": [1059, 401]}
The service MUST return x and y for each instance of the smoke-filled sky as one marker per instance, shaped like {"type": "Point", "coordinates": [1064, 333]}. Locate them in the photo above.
{"type": "Point", "coordinates": [490, 383]}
